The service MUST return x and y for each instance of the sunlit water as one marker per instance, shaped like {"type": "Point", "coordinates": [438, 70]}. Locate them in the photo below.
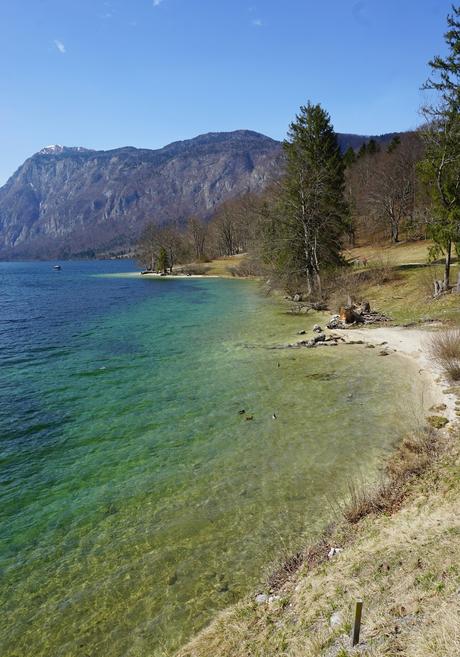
{"type": "Point", "coordinates": [135, 499]}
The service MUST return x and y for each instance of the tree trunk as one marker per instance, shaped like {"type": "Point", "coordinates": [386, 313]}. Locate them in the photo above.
{"type": "Point", "coordinates": [394, 233]}
{"type": "Point", "coordinates": [447, 265]}
{"type": "Point", "coordinates": [309, 282]}
{"type": "Point", "coordinates": [319, 288]}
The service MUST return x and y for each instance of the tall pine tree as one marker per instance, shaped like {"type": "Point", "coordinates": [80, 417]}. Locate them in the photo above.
{"type": "Point", "coordinates": [315, 214]}
{"type": "Point", "coordinates": [440, 168]}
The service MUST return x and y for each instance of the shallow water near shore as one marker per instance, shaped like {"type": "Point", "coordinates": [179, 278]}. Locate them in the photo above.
{"type": "Point", "coordinates": [136, 500]}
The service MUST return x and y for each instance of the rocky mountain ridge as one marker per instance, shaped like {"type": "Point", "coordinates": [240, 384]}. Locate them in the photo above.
{"type": "Point", "coordinates": [72, 201]}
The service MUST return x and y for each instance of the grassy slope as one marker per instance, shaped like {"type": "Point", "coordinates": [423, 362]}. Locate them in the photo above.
{"type": "Point", "coordinates": [408, 298]}
{"type": "Point", "coordinates": [404, 563]}
{"type": "Point", "coordinates": [221, 266]}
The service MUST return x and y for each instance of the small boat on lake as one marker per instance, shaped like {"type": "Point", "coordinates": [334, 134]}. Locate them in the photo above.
{"type": "Point", "coordinates": [57, 267]}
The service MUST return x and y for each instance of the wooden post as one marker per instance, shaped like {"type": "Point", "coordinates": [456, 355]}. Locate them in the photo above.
{"type": "Point", "coordinates": [357, 623]}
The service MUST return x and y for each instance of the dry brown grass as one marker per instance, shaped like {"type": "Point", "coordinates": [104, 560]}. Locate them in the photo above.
{"type": "Point", "coordinates": [410, 459]}
{"type": "Point", "coordinates": [196, 269]}
{"type": "Point", "coordinates": [444, 348]}
{"type": "Point", "coordinates": [441, 637]}
{"type": "Point", "coordinates": [402, 253]}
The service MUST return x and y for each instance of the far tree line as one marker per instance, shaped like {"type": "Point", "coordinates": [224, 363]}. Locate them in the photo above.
{"type": "Point", "coordinates": [297, 229]}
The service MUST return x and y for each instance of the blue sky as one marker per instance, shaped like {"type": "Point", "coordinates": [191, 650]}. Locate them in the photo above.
{"type": "Point", "coordinates": [109, 73]}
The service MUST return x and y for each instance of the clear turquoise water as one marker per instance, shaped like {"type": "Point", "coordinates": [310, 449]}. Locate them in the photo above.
{"type": "Point", "coordinates": [135, 500]}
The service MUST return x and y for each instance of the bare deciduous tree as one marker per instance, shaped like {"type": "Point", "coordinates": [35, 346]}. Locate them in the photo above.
{"type": "Point", "coordinates": [198, 232]}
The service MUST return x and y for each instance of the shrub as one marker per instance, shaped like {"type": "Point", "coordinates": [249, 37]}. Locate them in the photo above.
{"type": "Point", "coordinates": [444, 348]}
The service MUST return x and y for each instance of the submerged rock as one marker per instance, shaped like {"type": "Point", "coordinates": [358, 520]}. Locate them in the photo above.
{"type": "Point", "coordinates": [437, 421]}
{"type": "Point", "coordinates": [320, 338]}
{"type": "Point", "coordinates": [317, 329]}
{"type": "Point", "coordinates": [321, 376]}
{"type": "Point", "coordinates": [437, 408]}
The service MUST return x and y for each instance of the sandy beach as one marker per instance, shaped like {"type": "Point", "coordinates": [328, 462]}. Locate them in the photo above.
{"type": "Point", "coordinates": [411, 343]}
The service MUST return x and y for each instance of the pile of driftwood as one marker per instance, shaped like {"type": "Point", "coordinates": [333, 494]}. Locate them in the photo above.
{"type": "Point", "coordinates": [356, 314]}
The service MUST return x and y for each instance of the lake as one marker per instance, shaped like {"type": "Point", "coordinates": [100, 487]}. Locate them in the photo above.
{"type": "Point", "coordinates": [136, 498]}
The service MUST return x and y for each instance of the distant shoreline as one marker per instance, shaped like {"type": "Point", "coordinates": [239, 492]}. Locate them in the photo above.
{"type": "Point", "coordinates": [173, 276]}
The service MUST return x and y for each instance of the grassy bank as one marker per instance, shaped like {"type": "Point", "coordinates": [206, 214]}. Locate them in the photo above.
{"type": "Point", "coordinates": [224, 267]}
{"type": "Point", "coordinates": [399, 541]}
{"type": "Point", "coordinates": [406, 295]}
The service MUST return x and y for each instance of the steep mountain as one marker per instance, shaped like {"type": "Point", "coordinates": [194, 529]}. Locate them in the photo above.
{"type": "Point", "coordinates": [75, 201]}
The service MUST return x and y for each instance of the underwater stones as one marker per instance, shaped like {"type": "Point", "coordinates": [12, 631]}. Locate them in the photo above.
{"type": "Point", "coordinates": [322, 376]}
{"type": "Point", "coordinates": [317, 340]}
{"type": "Point", "coordinates": [317, 329]}
{"type": "Point", "coordinates": [302, 332]}
{"type": "Point", "coordinates": [437, 421]}
{"type": "Point", "coordinates": [438, 408]}
{"type": "Point", "coordinates": [320, 338]}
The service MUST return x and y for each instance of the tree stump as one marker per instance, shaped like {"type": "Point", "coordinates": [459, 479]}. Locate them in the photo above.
{"type": "Point", "coordinates": [349, 315]}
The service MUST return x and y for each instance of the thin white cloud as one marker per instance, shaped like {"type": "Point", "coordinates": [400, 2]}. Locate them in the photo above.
{"type": "Point", "coordinates": [359, 11]}
{"type": "Point", "coordinates": [257, 22]}
{"type": "Point", "coordinates": [60, 46]}
{"type": "Point", "coordinates": [157, 3]}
